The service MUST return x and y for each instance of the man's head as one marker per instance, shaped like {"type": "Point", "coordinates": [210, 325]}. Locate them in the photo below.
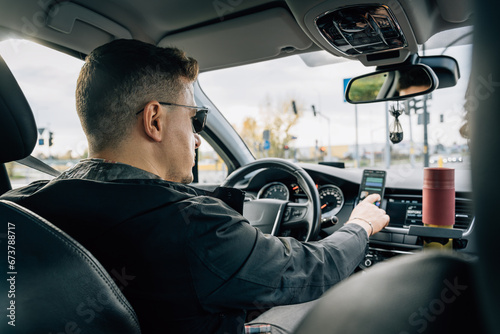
{"type": "Point", "coordinates": [123, 77]}
{"type": "Point", "coordinates": [413, 81]}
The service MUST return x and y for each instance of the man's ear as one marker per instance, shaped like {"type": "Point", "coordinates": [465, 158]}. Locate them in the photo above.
{"type": "Point", "coordinates": [151, 121]}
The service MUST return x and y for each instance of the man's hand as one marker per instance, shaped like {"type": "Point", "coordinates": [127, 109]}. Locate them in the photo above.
{"type": "Point", "coordinates": [369, 216]}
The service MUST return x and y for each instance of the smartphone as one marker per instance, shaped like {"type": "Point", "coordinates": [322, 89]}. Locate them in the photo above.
{"type": "Point", "coordinates": [373, 182]}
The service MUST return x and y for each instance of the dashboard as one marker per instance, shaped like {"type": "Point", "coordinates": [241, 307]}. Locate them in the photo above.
{"type": "Point", "coordinates": [338, 191]}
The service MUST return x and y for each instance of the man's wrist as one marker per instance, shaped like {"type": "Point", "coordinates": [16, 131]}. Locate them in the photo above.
{"type": "Point", "coordinates": [367, 223]}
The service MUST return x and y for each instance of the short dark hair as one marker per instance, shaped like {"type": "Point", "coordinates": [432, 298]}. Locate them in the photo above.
{"type": "Point", "coordinates": [413, 77]}
{"type": "Point", "coordinates": [120, 78]}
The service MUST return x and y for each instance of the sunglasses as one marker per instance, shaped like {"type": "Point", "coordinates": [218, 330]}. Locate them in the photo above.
{"type": "Point", "coordinates": [198, 120]}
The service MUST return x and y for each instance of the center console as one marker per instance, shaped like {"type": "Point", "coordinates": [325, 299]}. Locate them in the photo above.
{"type": "Point", "coordinates": [406, 232]}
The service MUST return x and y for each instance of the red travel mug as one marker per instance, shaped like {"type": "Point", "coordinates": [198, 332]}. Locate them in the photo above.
{"type": "Point", "coordinates": [438, 200]}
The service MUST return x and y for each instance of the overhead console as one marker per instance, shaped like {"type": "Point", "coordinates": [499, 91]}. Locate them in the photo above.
{"type": "Point", "coordinates": [379, 32]}
{"type": "Point", "coordinates": [375, 34]}
{"type": "Point", "coordinates": [358, 30]}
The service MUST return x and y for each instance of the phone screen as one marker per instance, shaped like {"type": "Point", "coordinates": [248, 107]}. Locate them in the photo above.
{"type": "Point", "coordinates": [373, 182]}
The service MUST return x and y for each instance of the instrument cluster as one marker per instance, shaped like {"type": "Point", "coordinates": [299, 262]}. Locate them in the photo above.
{"type": "Point", "coordinates": [331, 196]}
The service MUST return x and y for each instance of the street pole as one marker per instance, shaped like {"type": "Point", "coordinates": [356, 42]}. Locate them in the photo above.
{"type": "Point", "coordinates": [329, 141]}
{"type": "Point", "coordinates": [372, 156]}
{"type": "Point", "coordinates": [426, 143]}
{"type": "Point", "coordinates": [356, 153]}
{"type": "Point", "coordinates": [387, 142]}
{"type": "Point", "coordinates": [412, 149]}
{"type": "Point", "coordinates": [329, 131]}
{"type": "Point", "coordinates": [426, 120]}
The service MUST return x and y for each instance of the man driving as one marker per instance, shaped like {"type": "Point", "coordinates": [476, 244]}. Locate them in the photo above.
{"type": "Point", "coordinates": [191, 263]}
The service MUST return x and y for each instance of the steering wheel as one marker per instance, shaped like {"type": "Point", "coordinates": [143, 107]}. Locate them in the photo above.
{"type": "Point", "coordinates": [269, 215]}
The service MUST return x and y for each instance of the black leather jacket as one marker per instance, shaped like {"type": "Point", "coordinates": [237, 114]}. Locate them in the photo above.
{"type": "Point", "coordinates": [186, 261]}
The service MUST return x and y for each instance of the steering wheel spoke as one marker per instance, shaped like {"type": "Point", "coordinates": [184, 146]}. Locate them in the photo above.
{"type": "Point", "coordinates": [265, 214]}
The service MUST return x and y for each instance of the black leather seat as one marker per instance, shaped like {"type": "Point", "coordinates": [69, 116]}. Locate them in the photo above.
{"type": "Point", "coordinates": [54, 285]}
{"type": "Point", "coordinates": [433, 292]}
{"type": "Point", "coordinates": [57, 285]}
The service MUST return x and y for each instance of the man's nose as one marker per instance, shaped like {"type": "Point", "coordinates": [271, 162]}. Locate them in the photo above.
{"type": "Point", "coordinates": [197, 140]}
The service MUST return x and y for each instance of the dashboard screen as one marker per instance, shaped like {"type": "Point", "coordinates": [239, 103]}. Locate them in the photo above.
{"type": "Point", "coordinates": [404, 213]}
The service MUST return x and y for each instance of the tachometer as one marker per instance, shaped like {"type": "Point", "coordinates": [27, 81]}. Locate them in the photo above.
{"type": "Point", "coordinates": [276, 190]}
{"type": "Point", "coordinates": [332, 199]}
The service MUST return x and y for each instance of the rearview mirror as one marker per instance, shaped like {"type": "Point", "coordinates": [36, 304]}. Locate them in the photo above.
{"type": "Point", "coordinates": [392, 84]}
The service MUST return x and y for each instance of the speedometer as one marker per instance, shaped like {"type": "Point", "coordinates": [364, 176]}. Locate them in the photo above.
{"type": "Point", "coordinates": [332, 199]}
{"type": "Point", "coordinates": [276, 190]}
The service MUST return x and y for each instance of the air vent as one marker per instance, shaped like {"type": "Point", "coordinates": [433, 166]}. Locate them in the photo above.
{"type": "Point", "coordinates": [464, 213]}
{"type": "Point", "coordinates": [406, 210]}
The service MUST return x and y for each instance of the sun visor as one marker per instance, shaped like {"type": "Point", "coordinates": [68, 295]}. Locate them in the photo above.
{"type": "Point", "coordinates": [232, 42]}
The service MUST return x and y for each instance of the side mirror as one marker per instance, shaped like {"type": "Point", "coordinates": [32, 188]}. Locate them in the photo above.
{"type": "Point", "coordinates": [392, 84]}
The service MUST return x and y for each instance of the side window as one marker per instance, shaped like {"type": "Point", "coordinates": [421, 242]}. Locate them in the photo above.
{"type": "Point", "coordinates": [21, 175]}
{"type": "Point", "coordinates": [211, 167]}
{"type": "Point", "coordinates": [48, 80]}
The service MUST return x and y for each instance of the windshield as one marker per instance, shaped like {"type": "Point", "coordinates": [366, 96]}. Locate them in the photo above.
{"type": "Point", "coordinates": [258, 101]}
{"type": "Point", "coordinates": [287, 109]}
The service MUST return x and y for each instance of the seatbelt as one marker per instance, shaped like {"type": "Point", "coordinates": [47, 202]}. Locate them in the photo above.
{"type": "Point", "coordinates": [31, 161]}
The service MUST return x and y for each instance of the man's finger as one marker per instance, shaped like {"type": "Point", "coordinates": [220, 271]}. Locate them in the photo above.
{"type": "Point", "coordinates": [372, 198]}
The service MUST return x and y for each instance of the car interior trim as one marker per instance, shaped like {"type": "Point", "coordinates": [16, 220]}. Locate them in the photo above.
{"type": "Point", "coordinates": [62, 17]}
{"type": "Point", "coordinates": [237, 36]}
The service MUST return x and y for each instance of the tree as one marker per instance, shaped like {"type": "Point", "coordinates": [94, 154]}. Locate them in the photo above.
{"type": "Point", "coordinates": [252, 135]}
{"type": "Point", "coordinates": [367, 88]}
{"type": "Point", "coordinates": [279, 118]}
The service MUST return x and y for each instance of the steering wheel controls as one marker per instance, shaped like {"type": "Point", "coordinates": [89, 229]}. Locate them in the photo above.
{"type": "Point", "coordinates": [292, 213]}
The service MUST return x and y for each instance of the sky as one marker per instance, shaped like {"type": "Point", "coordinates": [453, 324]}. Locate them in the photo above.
{"type": "Point", "coordinates": [48, 79]}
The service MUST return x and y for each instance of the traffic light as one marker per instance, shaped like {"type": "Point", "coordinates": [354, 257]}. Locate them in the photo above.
{"type": "Point", "coordinates": [51, 138]}
{"type": "Point", "coordinates": [286, 147]}
{"type": "Point", "coordinates": [415, 105]}
{"type": "Point", "coordinates": [294, 107]}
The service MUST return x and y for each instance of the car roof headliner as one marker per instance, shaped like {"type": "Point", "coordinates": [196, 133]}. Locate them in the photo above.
{"type": "Point", "coordinates": [219, 33]}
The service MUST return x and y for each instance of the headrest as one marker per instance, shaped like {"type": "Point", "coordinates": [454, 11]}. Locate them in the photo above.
{"type": "Point", "coordinates": [18, 132]}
